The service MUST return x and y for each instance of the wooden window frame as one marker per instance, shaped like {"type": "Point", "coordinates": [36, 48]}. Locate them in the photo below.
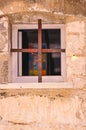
{"type": "Point", "coordinates": [15, 50]}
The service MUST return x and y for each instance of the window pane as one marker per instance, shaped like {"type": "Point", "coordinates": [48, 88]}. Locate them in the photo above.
{"type": "Point", "coordinates": [29, 38]}
{"type": "Point", "coordinates": [53, 64]}
{"type": "Point", "coordinates": [51, 37]}
{"type": "Point", "coordinates": [25, 64]}
{"type": "Point", "coordinates": [29, 60]}
{"type": "Point", "coordinates": [32, 64]}
{"type": "Point", "coordinates": [29, 64]}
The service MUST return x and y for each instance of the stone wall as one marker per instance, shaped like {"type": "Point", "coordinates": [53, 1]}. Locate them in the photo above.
{"type": "Point", "coordinates": [54, 109]}
{"type": "Point", "coordinates": [75, 7]}
{"type": "Point", "coordinates": [51, 12]}
{"type": "Point", "coordinates": [45, 109]}
{"type": "Point", "coordinates": [3, 49]}
{"type": "Point", "coordinates": [76, 50]}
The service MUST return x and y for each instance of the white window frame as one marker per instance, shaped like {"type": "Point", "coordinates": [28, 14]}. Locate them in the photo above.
{"type": "Point", "coordinates": [14, 66]}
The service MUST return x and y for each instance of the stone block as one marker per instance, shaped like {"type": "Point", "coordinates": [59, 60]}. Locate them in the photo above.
{"type": "Point", "coordinates": [47, 18]}
{"type": "Point", "coordinates": [4, 23]}
{"type": "Point", "coordinates": [75, 44]}
{"type": "Point", "coordinates": [45, 113]}
{"type": "Point", "coordinates": [3, 42]}
{"type": "Point", "coordinates": [75, 37]}
{"type": "Point", "coordinates": [75, 7]}
{"type": "Point", "coordinates": [32, 5]}
{"type": "Point", "coordinates": [54, 5]}
{"type": "Point", "coordinates": [42, 127]}
{"type": "Point", "coordinates": [79, 81]}
{"type": "Point", "coordinates": [76, 66]}
{"type": "Point", "coordinates": [4, 34]}
{"type": "Point", "coordinates": [67, 7]}
{"type": "Point", "coordinates": [3, 67]}
{"type": "Point", "coordinates": [76, 71]}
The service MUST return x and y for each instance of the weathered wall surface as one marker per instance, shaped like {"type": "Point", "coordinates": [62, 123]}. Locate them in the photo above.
{"type": "Point", "coordinates": [45, 109]}
{"type": "Point", "coordinates": [76, 50]}
{"type": "Point", "coordinates": [55, 109]}
{"type": "Point", "coordinates": [63, 6]}
{"type": "Point", "coordinates": [4, 49]}
{"type": "Point", "coordinates": [55, 11]}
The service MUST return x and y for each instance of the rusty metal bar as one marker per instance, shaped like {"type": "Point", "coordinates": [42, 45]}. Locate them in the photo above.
{"type": "Point", "coordinates": [36, 50]}
{"type": "Point", "coordinates": [39, 50]}
{"type": "Point", "coordinates": [25, 50]}
{"type": "Point", "coordinates": [53, 50]}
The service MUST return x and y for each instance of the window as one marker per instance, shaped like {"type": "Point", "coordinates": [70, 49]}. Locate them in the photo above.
{"type": "Point", "coordinates": [38, 53]}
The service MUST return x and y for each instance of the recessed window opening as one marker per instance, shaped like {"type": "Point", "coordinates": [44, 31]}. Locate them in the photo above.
{"type": "Point", "coordinates": [39, 52]}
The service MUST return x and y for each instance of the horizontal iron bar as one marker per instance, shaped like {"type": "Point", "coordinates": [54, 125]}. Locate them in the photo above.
{"type": "Point", "coordinates": [36, 50]}
{"type": "Point", "coordinates": [24, 50]}
{"type": "Point", "coordinates": [53, 50]}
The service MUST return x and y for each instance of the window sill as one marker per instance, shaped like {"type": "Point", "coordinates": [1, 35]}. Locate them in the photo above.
{"type": "Point", "coordinates": [36, 85]}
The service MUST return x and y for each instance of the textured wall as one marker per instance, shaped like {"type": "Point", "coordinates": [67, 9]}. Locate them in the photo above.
{"type": "Point", "coordinates": [76, 50]}
{"type": "Point", "coordinates": [62, 6]}
{"type": "Point", "coordinates": [3, 49]}
{"type": "Point", "coordinates": [46, 110]}
{"type": "Point", "coordinates": [75, 37]}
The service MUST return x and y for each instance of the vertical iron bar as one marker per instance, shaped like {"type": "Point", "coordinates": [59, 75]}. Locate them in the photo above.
{"type": "Point", "coordinates": [39, 50]}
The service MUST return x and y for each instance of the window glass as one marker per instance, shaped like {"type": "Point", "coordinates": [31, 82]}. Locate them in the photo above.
{"type": "Point", "coordinates": [53, 64]}
{"type": "Point", "coordinates": [28, 62]}
{"type": "Point", "coordinates": [52, 38]}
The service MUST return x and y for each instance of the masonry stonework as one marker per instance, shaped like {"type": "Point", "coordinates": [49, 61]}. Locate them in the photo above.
{"type": "Point", "coordinates": [45, 109]}
{"type": "Point", "coordinates": [3, 49]}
